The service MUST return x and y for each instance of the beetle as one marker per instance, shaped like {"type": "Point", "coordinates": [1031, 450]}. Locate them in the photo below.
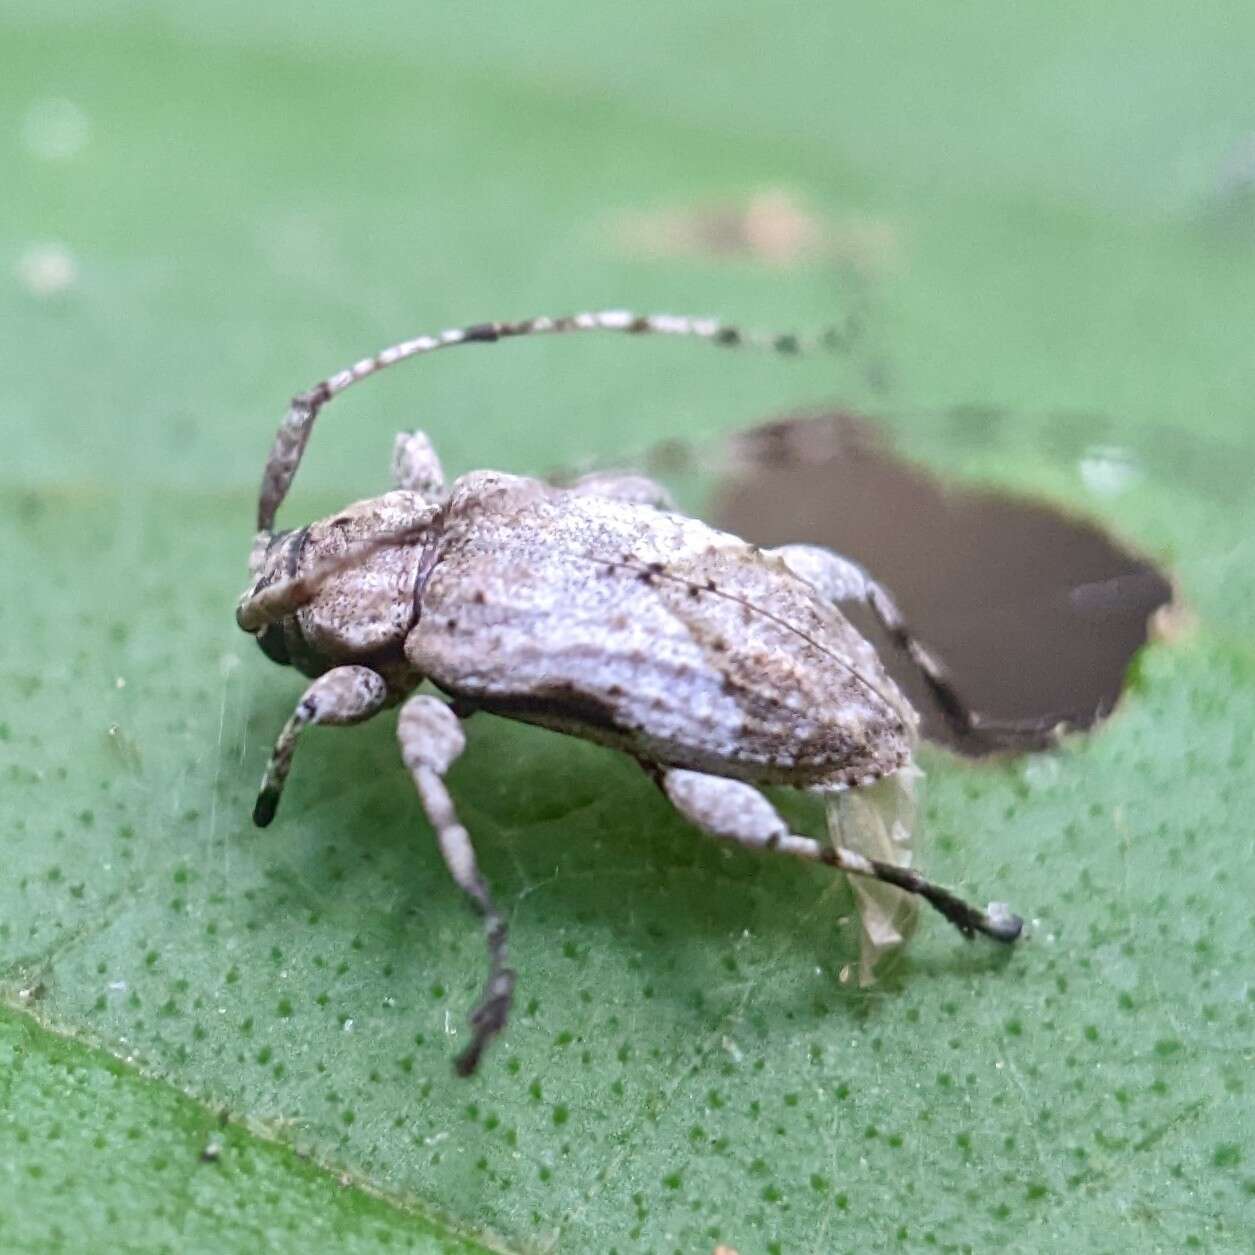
{"type": "Point", "coordinates": [597, 610]}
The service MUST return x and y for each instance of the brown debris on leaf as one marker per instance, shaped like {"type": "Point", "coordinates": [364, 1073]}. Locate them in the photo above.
{"type": "Point", "coordinates": [773, 227]}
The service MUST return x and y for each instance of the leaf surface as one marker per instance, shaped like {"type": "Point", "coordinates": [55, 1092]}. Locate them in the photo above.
{"type": "Point", "coordinates": [261, 193]}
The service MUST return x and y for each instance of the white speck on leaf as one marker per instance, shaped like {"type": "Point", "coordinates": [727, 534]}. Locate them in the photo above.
{"type": "Point", "coordinates": [46, 270]}
{"type": "Point", "coordinates": [55, 129]}
{"type": "Point", "coordinates": [1107, 470]}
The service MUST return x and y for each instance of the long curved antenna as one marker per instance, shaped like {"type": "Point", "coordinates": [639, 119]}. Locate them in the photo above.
{"type": "Point", "coordinates": [293, 434]}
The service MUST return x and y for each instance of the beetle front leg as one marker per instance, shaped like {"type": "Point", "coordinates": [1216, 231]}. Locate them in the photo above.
{"type": "Point", "coordinates": [416, 466]}
{"type": "Point", "coordinates": [342, 696]}
{"type": "Point", "coordinates": [431, 739]}
{"type": "Point", "coordinates": [735, 811]}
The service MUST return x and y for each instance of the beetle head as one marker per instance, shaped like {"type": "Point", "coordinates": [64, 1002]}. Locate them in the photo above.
{"type": "Point", "coordinates": [342, 590]}
{"type": "Point", "coordinates": [273, 558]}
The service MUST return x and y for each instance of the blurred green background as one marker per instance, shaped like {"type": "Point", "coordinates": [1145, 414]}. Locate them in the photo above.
{"type": "Point", "coordinates": [213, 1038]}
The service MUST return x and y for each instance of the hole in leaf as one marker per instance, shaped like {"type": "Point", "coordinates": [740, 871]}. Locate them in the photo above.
{"type": "Point", "coordinates": [1036, 614]}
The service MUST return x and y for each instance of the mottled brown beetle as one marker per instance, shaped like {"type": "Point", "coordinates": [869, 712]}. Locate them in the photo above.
{"type": "Point", "coordinates": [597, 610]}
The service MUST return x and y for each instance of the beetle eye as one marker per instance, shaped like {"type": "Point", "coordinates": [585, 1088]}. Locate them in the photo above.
{"type": "Point", "coordinates": [274, 645]}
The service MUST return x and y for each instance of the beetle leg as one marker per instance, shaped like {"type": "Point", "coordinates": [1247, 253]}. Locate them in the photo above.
{"type": "Point", "coordinates": [735, 811]}
{"type": "Point", "coordinates": [416, 466]}
{"type": "Point", "coordinates": [839, 579]}
{"type": "Point", "coordinates": [342, 696]}
{"type": "Point", "coordinates": [431, 739]}
{"type": "Point", "coordinates": [622, 486]}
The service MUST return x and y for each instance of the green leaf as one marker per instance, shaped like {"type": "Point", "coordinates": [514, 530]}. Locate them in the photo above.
{"type": "Point", "coordinates": [92, 1153]}
{"type": "Point", "coordinates": [250, 196]}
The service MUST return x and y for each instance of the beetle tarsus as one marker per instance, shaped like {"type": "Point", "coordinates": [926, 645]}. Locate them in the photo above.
{"type": "Point", "coordinates": [487, 1020]}
{"type": "Point", "coordinates": [998, 922]}
{"type": "Point", "coordinates": [264, 808]}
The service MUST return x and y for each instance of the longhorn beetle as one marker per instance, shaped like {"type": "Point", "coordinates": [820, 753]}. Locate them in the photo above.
{"type": "Point", "coordinates": [597, 610]}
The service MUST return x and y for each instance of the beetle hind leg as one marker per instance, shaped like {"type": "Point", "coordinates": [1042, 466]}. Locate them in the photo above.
{"type": "Point", "coordinates": [431, 740]}
{"type": "Point", "coordinates": [735, 811]}
{"type": "Point", "coordinates": [996, 921]}
{"type": "Point", "coordinates": [840, 580]}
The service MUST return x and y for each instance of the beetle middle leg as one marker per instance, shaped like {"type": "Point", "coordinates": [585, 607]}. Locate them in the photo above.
{"type": "Point", "coordinates": [344, 695]}
{"type": "Point", "coordinates": [431, 739]}
{"type": "Point", "coordinates": [622, 486]}
{"type": "Point", "coordinates": [735, 811]}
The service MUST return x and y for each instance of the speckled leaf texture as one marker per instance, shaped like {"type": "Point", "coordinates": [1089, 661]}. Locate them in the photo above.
{"type": "Point", "coordinates": [1044, 213]}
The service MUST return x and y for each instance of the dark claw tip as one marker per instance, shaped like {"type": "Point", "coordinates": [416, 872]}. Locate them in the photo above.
{"type": "Point", "coordinates": [264, 810]}
{"type": "Point", "coordinates": [1003, 924]}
